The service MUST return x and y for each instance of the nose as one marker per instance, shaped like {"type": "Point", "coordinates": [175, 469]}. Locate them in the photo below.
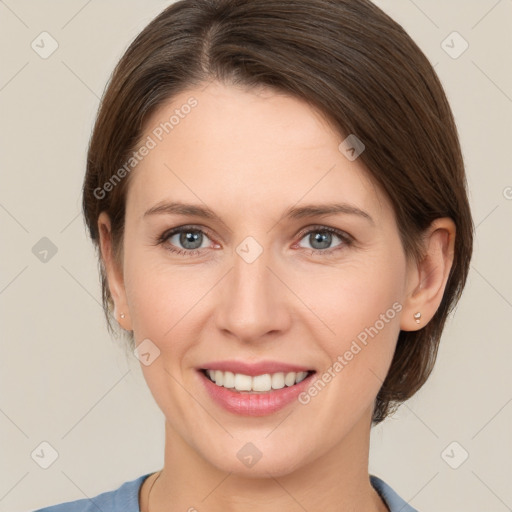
{"type": "Point", "coordinates": [254, 303]}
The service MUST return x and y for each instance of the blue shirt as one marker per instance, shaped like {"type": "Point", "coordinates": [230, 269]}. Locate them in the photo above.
{"type": "Point", "coordinates": [126, 499]}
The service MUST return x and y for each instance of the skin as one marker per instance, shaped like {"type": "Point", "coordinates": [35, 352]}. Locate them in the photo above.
{"type": "Point", "coordinates": [249, 155]}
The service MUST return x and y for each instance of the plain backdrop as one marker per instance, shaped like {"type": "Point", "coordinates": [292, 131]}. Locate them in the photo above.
{"type": "Point", "coordinates": [65, 382]}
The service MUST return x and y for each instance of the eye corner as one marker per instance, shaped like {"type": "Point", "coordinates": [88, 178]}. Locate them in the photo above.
{"type": "Point", "coordinates": [346, 239]}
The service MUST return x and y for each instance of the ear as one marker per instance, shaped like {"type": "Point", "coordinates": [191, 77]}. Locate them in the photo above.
{"type": "Point", "coordinates": [426, 280]}
{"type": "Point", "coordinates": [114, 272]}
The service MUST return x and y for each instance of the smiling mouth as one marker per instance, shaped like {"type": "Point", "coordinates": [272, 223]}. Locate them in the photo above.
{"type": "Point", "coordinates": [264, 383]}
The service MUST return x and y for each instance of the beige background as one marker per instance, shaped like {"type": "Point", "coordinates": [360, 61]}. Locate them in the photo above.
{"type": "Point", "coordinates": [64, 381]}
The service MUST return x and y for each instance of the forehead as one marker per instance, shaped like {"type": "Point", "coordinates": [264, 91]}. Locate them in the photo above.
{"type": "Point", "coordinates": [230, 146]}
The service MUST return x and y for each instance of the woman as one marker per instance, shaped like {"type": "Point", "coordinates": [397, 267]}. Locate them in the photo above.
{"type": "Point", "coordinates": [278, 197]}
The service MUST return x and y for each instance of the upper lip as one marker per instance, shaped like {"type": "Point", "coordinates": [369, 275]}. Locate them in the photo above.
{"type": "Point", "coordinates": [256, 368]}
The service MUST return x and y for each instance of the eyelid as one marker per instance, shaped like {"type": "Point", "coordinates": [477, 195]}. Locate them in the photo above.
{"type": "Point", "coordinates": [320, 227]}
{"type": "Point", "coordinates": [346, 241]}
{"type": "Point", "coordinates": [346, 238]}
{"type": "Point", "coordinates": [179, 229]}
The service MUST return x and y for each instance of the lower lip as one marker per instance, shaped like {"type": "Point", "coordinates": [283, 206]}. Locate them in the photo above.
{"type": "Point", "coordinates": [254, 404]}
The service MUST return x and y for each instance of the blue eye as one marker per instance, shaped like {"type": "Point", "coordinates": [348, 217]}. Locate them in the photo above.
{"type": "Point", "coordinates": [185, 240]}
{"type": "Point", "coordinates": [189, 240]}
{"type": "Point", "coordinates": [321, 239]}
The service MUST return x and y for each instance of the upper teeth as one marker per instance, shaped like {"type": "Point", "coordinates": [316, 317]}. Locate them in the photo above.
{"type": "Point", "coordinates": [264, 382]}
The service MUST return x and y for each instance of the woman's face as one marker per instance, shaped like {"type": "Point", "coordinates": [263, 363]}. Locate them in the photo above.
{"type": "Point", "coordinates": [289, 261]}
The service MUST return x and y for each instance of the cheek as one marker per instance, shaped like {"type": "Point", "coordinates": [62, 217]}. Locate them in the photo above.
{"type": "Point", "coordinates": [346, 298]}
{"type": "Point", "coordinates": [351, 299]}
{"type": "Point", "coordinates": [361, 305]}
{"type": "Point", "coordinates": [163, 299]}
{"type": "Point", "coordinates": [158, 294]}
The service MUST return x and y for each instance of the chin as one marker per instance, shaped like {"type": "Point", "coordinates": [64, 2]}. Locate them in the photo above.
{"type": "Point", "coordinates": [259, 459]}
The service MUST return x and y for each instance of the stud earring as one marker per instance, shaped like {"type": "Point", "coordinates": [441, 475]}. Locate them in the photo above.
{"type": "Point", "coordinates": [122, 315]}
{"type": "Point", "coordinates": [417, 317]}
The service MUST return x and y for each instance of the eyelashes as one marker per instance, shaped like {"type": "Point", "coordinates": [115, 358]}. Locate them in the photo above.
{"type": "Point", "coordinates": [183, 231]}
{"type": "Point", "coordinates": [345, 238]}
{"type": "Point", "coordinates": [192, 235]}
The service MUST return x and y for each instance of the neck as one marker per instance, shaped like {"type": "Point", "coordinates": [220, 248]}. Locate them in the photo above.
{"type": "Point", "coordinates": [335, 481]}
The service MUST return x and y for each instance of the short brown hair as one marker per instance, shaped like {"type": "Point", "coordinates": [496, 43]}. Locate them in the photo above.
{"type": "Point", "coordinates": [346, 58]}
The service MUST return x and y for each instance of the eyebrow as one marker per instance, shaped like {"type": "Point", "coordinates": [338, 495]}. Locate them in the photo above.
{"type": "Point", "coordinates": [316, 210]}
{"type": "Point", "coordinates": [295, 212]}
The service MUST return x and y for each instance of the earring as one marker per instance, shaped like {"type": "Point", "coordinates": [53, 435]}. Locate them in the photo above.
{"type": "Point", "coordinates": [122, 315]}
{"type": "Point", "coordinates": [417, 317]}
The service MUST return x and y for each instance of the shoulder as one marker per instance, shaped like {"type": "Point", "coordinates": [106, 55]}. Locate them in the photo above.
{"type": "Point", "coordinates": [123, 499]}
{"type": "Point", "coordinates": [394, 502]}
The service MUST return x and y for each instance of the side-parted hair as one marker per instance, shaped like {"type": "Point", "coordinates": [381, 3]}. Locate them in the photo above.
{"type": "Point", "coordinates": [350, 61]}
